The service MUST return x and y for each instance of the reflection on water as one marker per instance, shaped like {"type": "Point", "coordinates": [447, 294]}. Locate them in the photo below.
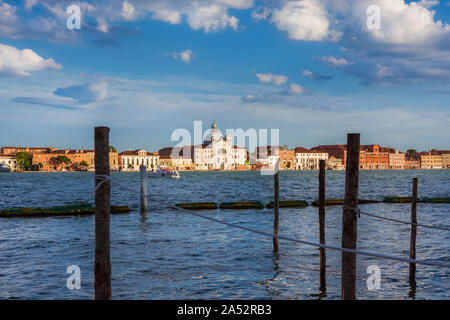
{"type": "Point", "coordinates": [163, 254]}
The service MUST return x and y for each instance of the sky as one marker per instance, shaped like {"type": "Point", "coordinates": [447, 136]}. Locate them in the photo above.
{"type": "Point", "coordinates": [314, 69]}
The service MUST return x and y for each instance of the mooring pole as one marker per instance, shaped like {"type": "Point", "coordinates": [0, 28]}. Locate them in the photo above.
{"type": "Point", "coordinates": [276, 207]}
{"type": "Point", "coordinates": [412, 249]}
{"type": "Point", "coordinates": [323, 258]}
{"type": "Point", "coordinates": [349, 217]}
{"type": "Point", "coordinates": [143, 173]}
{"type": "Point", "coordinates": [102, 268]}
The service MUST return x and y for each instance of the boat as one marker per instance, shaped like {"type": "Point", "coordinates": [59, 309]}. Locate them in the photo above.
{"type": "Point", "coordinates": [162, 172]}
{"type": "Point", "coordinates": [4, 168]}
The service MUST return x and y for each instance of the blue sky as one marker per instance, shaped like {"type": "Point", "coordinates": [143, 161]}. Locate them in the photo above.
{"type": "Point", "coordinates": [311, 68]}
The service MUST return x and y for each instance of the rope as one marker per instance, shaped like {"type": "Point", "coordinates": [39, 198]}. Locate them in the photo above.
{"type": "Point", "coordinates": [366, 253]}
{"type": "Point", "coordinates": [396, 220]}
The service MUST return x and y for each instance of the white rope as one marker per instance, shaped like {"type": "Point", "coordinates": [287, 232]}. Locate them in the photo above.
{"type": "Point", "coordinates": [396, 220]}
{"type": "Point", "coordinates": [366, 253]}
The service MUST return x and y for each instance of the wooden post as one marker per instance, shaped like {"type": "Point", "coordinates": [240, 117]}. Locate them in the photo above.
{"type": "Point", "coordinates": [276, 206]}
{"type": "Point", "coordinates": [143, 172]}
{"type": "Point", "coordinates": [412, 249]}
{"type": "Point", "coordinates": [349, 217]}
{"type": "Point", "coordinates": [102, 268]}
{"type": "Point", "coordinates": [323, 259]}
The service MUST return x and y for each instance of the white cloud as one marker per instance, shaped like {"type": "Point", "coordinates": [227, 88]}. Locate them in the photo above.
{"type": "Point", "coordinates": [185, 56]}
{"type": "Point", "coordinates": [295, 89]}
{"type": "Point", "coordinates": [269, 77]}
{"type": "Point", "coordinates": [211, 18]}
{"type": "Point", "coordinates": [304, 20]}
{"type": "Point", "coordinates": [334, 62]}
{"type": "Point", "coordinates": [18, 62]}
{"type": "Point", "coordinates": [172, 17]}
{"type": "Point", "coordinates": [428, 3]}
{"type": "Point", "coordinates": [128, 11]}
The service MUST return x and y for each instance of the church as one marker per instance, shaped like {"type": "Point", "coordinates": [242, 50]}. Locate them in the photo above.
{"type": "Point", "coordinates": [219, 153]}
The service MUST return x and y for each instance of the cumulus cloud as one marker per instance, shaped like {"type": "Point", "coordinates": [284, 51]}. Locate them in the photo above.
{"type": "Point", "coordinates": [334, 62]}
{"type": "Point", "coordinates": [18, 62]}
{"type": "Point", "coordinates": [294, 89]}
{"type": "Point", "coordinates": [184, 56]}
{"type": "Point", "coordinates": [272, 78]}
{"type": "Point", "coordinates": [304, 20]}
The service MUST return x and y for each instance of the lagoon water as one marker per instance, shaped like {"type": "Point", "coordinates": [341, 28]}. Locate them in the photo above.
{"type": "Point", "coordinates": [174, 255]}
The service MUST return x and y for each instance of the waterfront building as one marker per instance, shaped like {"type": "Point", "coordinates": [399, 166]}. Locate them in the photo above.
{"type": "Point", "coordinates": [307, 159]}
{"type": "Point", "coordinates": [373, 158]}
{"type": "Point", "coordinates": [335, 164]}
{"type": "Point", "coordinates": [430, 160]}
{"type": "Point", "coordinates": [15, 150]}
{"type": "Point", "coordinates": [338, 151]}
{"type": "Point", "coordinates": [267, 156]}
{"type": "Point", "coordinates": [396, 160]}
{"type": "Point", "coordinates": [174, 158]}
{"type": "Point", "coordinates": [218, 153]}
{"type": "Point", "coordinates": [131, 160]}
{"type": "Point", "coordinates": [9, 161]}
{"type": "Point", "coordinates": [446, 160]}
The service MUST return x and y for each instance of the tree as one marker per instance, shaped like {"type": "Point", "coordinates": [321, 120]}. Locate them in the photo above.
{"type": "Point", "coordinates": [63, 160]}
{"type": "Point", "coordinates": [24, 159]}
{"type": "Point", "coordinates": [112, 149]}
{"type": "Point", "coordinates": [411, 151]}
{"type": "Point", "coordinates": [84, 163]}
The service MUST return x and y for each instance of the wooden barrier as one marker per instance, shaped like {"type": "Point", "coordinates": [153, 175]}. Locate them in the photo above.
{"type": "Point", "coordinates": [323, 259]}
{"type": "Point", "coordinates": [143, 175]}
{"type": "Point", "coordinates": [412, 249]}
{"type": "Point", "coordinates": [349, 220]}
{"type": "Point", "coordinates": [276, 207]}
{"type": "Point", "coordinates": [102, 268]}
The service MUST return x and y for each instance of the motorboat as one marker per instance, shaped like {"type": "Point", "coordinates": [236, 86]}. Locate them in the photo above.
{"type": "Point", "coordinates": [161, 172]}
{"type": "Point", "coordinates": [4, 168]}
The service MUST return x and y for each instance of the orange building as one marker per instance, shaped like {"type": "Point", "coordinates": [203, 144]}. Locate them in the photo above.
{"type": "Point", "coordinates": [372, 158]}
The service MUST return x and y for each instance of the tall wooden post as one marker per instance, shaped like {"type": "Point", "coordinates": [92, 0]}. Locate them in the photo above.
{"type": "Point", "coordinates": [143, 174]}
{"type": "Point", "coordinates": [276, 208]}
{"type": "Point", "coordinates": [349, 217]}
{"type": "Point", "coordinates": [323, 258]}
{"type": "Point", "coordinates": [102, 268]}
{"type": "Point", "coordinates": [412, 249]}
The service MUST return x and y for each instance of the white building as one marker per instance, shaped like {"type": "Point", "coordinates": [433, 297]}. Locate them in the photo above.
{"type": "Point", "coordinates": [9, 161]}
{"type": "Point", "coordinates": [218, 153]}
{"type": "Point", "coordinates": [131, 160]}
{"type": "Point", "coordinates": [306, 159]}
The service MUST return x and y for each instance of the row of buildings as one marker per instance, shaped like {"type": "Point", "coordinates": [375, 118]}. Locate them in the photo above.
{"type": "Point", "coordinates": [218, 153]}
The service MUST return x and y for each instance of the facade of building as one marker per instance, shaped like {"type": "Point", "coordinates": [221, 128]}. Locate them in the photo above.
{"type": "Point", "coordinates": [15, 150]}
{"type": "Point", "coordinates": [338, 151]}
{"type": "Point", "coordinates": [446, 160]}
{"type": "Point", "coordinates": [430, 161]}
{"type": "Point", "coordinates": [218, 153]}
{"type": "Point", "coordinates": [131, 160]}
{"type": "Point", "coordinates": [335, 164]}
{"type": "Point", "coordinates": [371, 157]}
{"type": "Point", "coordinates": [396, 160]}
{"type": "Point", "coordinates": [9, 161]}
{"type": "Point", "coordinates": [307, 159]}
{"type": "Point", "coordinates": [173, 158]}
{"type": "Point", "coordinates": [267, 157]}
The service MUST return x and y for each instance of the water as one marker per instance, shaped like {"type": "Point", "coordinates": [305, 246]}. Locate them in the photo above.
{"type": "Point", "coordinates": [173, 255]}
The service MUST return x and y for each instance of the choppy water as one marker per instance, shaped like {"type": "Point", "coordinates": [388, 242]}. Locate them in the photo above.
{"type": "Point", "coordinates": [170, 255]}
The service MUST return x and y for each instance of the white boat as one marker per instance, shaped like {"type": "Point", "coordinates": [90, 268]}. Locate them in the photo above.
{"type": "Point", "coordinates": [162, 172]}
{"type": "Point", "coordinates": [4, 168]}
